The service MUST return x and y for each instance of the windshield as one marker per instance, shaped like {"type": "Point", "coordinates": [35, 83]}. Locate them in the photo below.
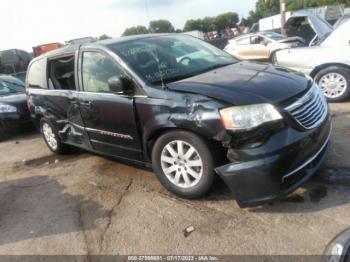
{"type": "Point", "coordinates": [274, 36]}
{"type": "Point", "coordinates": [8, 87]}
{"type": "Point", "coordinates": [163, 59]}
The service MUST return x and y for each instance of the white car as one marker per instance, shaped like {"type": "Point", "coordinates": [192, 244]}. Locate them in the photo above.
{"type": "Point", "coordinates": [328, 62]}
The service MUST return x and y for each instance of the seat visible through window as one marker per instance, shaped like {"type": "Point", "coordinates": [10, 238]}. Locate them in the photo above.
{"type": "Point", "coordinates": [61, 75]}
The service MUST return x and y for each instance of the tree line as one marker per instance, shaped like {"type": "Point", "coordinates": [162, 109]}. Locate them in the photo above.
{"type": "Point", "coordinates": [263, 8]}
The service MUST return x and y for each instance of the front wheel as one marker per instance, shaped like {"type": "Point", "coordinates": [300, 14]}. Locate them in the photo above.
{"type": "Point", "coordinates": [183, 164]}
{"type": "Point", "coordinates": [334, 81]}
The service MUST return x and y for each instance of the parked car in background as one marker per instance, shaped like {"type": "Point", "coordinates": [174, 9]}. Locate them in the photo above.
{"type": "Point", "coordinates": [341, 21]}
{"type": "Point", "coordinates": [302, 23]}
{"type": "Point", "coordinates": [328, 62]}
{"type": "Point", "coordinates": [14, 62]}
{"type": "Point", "coordinates": [309, 27]}
{"type": "Point", "coordinates": [260, 46]}
{"type": "Point", "coordinates": [185, 108]}
{"type": "Point", "coordinates": [42, 49]}
{"type": "Point", "coordinates": [14, 111]}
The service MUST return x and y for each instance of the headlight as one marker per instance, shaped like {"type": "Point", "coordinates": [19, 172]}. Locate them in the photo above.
{"type": "Point", "coordinates": [7, 108]}
{"type": "Point", "coordinates": [247, 117]}
{"type": "Point", "coordinates": [338, 248]}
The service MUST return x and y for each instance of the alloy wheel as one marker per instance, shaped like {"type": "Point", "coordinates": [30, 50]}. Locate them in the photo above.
{"type": "Point", "coordinates": [50, 136]}
{"type": "Point", "coordinates": [182, 164]}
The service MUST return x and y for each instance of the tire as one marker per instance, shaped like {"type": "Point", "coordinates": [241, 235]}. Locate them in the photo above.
{"type": "Point", "coordinates": [54, 142]}
{"type": "Point", "coordinates": [182, 181]}
{"type": "Point", "coordinates": [341, 76]}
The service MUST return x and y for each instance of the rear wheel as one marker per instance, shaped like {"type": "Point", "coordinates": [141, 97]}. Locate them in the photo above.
{"type": "Point", "coordinates": [334, 81]}
{"type": "Point", "coordinates": [52, 139]}
{"type": "Point", "coordinates": [183, 164]}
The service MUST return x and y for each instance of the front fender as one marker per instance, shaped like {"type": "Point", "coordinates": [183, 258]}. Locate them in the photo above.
{"type": "Point", "coordinates": [193, 113]}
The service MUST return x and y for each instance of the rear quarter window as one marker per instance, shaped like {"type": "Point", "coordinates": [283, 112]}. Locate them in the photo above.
{"type": "Point", "coordinates": [36, 77]}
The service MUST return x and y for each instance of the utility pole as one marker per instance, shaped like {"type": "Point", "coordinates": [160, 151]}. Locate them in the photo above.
{"type": "Point", "coordinates": [283, 16]}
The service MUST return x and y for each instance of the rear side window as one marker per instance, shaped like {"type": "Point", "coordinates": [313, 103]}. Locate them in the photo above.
{"type": "Point", "coordinates": [61, 73]}
{"type": "Point", "coordinates": [37, 74]}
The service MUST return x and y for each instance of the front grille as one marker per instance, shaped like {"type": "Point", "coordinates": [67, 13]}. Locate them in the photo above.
{"type": "Point", "coordinates": [311, 109]}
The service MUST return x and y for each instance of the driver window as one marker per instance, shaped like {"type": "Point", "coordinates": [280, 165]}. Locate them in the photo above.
{"type": "Point", "coordinates": [97, 69]}
{"type": "Point", "coordinates": [255, 40]}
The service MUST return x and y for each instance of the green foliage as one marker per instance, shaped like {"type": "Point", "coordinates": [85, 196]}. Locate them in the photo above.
{"type": "Point", "coordinates": [263, 8]}
{"type": "Point", "coordinates": [135, 30]}
{"type": "Point", "coordinates": [193, 24]}
{"type": "Point", "coordinates": [300, 4]}
{"type": "Point", "coordinates": [226, 20]}
{"type": "Point", "coordinates": [208, 24]}
{"type": "Point", "coordinates": [161, 26]}
{"type": "Point", "coordinates": [104, 37]}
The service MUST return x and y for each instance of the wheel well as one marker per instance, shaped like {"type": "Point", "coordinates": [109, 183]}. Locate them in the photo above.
{"type": "Point", "coordinates": [214, 145]}
{"type": "Point", "coordinates": [321, 67]}
{"type": "Point", "coordinates": [154, 136]}
{"type": "Point", "coordinates": [37, 120]}
{"type": "Point", "coordinates": [274, 52]}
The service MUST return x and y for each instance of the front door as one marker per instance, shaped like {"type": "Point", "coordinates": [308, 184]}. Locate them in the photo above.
{"type": "Point", "coordinates": [258, 50]}
{"type": "Point", "coordinates": [109, 118]}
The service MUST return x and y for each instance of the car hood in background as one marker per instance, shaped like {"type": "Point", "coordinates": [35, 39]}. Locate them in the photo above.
{"type": "Point", "coordinates": [245, 83]}
{"type": "Point", "coordinates": [18, 100]}
{"type": "Point", "coordinates": [320, 26]}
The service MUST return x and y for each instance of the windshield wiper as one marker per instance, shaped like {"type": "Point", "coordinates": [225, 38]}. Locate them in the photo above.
{"type": "Point", "coordinates": [181, 77]}
{"type": "Point", "coordinates": [173, 79]}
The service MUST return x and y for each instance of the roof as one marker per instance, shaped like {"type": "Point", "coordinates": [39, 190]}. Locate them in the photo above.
{"type": "Point", "coordinates": [69, 49]}
{"type": "Point", "coordinates": [126, 39]}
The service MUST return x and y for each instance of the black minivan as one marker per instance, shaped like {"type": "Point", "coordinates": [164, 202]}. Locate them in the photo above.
{"type": "Point", "coordinates": [187, 109]}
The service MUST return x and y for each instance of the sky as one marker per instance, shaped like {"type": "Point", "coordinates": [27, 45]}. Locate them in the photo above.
{"type": "Point", "coordinates": [28, 23]}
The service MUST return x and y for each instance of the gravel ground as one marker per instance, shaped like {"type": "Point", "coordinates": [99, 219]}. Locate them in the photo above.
{"type": "Point", "coordinates": [86, 204]}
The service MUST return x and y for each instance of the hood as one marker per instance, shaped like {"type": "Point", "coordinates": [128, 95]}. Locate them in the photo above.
{"type": "Point", "coordinates": [296, 23]}
{"type": "Point", "coordinates": [245, 83]}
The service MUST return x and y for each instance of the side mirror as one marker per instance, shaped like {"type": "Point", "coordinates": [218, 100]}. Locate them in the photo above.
{"type": "Point", "coordinates": [116, 84]}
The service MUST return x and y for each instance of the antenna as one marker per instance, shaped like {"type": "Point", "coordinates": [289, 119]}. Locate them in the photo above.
{"type": "Point", "coordinates": [157, 54]}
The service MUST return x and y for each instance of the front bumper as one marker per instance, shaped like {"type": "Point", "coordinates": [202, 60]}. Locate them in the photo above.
{"type": "Point", "coordinates": [279, 167]}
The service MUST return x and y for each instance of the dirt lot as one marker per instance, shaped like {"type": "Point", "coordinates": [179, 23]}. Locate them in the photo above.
{"type": "Point", "coordinates": [87, 204]}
